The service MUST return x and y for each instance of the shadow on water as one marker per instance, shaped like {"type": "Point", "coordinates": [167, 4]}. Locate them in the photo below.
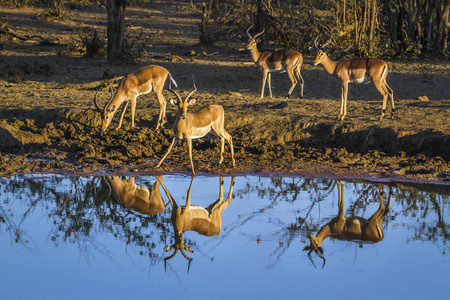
{"type": "Point", "coordinates": [260, 237]}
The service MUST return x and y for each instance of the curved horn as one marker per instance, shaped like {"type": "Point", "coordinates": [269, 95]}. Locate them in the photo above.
{"type": "Point", "coordinates": [329, 41]}
{"type": "Point", "coordinates": [248, 32]}
{"type": "Point", "coordinates": [176, 94]}
{"type": "Point", "coordinates": [315, 42]}
{"type": "Point", "coordinates": [195, 88]}
{"type": "Point", "coordinates": [95, 103]}
{"type": "Point", "coordinates": [110, 100]}
{"type": "Point", "coordinates": [258, 34]}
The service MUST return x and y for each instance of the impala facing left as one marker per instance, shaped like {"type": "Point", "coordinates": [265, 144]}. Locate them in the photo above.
{"type": "Point", "coordinates": [140, 82]}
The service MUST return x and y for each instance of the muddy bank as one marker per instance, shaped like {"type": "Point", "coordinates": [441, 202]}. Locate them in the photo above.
{"type": "Point", "coordinates": [69, 141]}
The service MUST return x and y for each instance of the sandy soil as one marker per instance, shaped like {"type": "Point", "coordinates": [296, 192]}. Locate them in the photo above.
{"type": "Point", "coordinates": [49, 124]}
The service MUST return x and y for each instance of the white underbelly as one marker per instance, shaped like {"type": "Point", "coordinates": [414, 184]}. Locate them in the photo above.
{"type": "Point", "coordinates": [146, 92]}
{"type": "Point", "coordinates": [200, 132]}
{"type": "Point", "coordinates": [279, 70]}
{"type": "Point", "coordinates": [360, 80]}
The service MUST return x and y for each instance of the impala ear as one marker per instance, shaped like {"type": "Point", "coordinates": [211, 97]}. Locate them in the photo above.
{"type": "Point", "coordinates": [312, 49]}
{"type": "Point", "coordinates": [320, 250]}
{"type": "Point", "coordinates": [192, 101]}
{"type": "Point", "coordinates": [113, 108]}
{"type": "Point", "coordinates": [258, 40]}
{"type": "Point", "coordinates": [173, 101]}
{"type": "Point", "coordinates": [307, 248]}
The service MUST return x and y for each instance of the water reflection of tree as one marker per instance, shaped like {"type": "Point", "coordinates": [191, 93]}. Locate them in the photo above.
{"type": "Point", "coordinates": [426, 205]}
{"type": "Point", "coordinates": [91, 210]}
{"type": "Point", "coordinates": [428, 208]}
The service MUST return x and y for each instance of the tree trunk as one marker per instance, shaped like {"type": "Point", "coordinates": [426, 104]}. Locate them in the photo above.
{"type": "Point", "coordinates": [115, 31]}
{"type": "Point", "coordinates": [372, 25]}
{"type": "Point", "coordinates": [430, 24]}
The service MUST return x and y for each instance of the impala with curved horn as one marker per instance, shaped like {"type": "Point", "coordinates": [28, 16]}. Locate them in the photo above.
{"type": "Point", "coordinates": [140, 82]}
{"type": "Point", "coordinates": [351, 229]}
{"type": "Point", "coordinates": [289, 61]}
{"type": "Point", "coordinates": [197, 125]}
{"type": "Point", "coordinates": [138, 198]}
{"type": "Point", "coordinates": [205, 221]}
{"type": "Point", "coordinates": [359, 70]}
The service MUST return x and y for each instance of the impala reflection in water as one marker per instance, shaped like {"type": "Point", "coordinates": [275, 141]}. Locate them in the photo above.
{"type": "Point", "coordinates": [205, 221]}
{"type": "Point", "coordinates": [109, 235]}
{"type": "Point", "coordinates": [147, 201]}
{"type": "Point", "coordinates": [352, 228]}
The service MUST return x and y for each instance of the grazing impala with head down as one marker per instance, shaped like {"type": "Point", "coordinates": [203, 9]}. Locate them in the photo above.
{"type": "Point", "coordinates": [352, 228]}
{"type": "Point", "coordinates": [196, 125]}
{"type": "Point", "coordinates": [289, 61]}
{"type": "Point", "coordinates": [358, 70]}
{"type": "Point", "coordinates": [142, 81]}
{"type": "Point", "coordinates": [205, 221]}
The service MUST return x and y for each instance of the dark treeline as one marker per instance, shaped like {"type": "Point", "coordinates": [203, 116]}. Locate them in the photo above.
{"type": "Point", "coordinates": [359, 27]}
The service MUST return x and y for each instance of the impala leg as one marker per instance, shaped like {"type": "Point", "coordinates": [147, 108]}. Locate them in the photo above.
{"type": "Point", "coordinates": [189, 142]}
{"type": "Point", "coordinates": [293, 81]}
{"type": "Point", "coordinates": [162, 109]}
{"type": "Point", "coordinates": [383, 91]}
{"type": "Point", "coordinates": [266, 73]}
{"type": "Point", "coordinates": [343, 101]}
{"type": "Point", "coordinates": [133, 110]}
{"type": "Point", "coordinates": [302, 82]}
{"type": "Point", "coordinates": [391, 95]}
{"type": "Point", "coordinates": [269, 78]}
{"type": "Point", "coordinates": [222, 147]}
{"type": "Point", "coordinates": [122, 115]}
{"type": "Point", "coordinates": [225, 136]}
{"type": "Point", "coordinates": [230, 141]}
{"type": "Point", "coordinates": [174, 142]}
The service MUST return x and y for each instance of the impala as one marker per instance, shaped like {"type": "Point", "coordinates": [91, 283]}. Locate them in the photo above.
{"type": "Point", "coordinates": [359, 70]}
{"type": "Point", "coordinates": [197, 125]}
{"type": "Point", "coordinates": [205, 221]}
{"type": "Point", "coordinates": [142, 81]}
{"type": "Point", "coordinates": [138, 198]}
{"type": "Point", "coordinates": [353, 228]}
{"type": "Point", "coordinates": [289, 61]}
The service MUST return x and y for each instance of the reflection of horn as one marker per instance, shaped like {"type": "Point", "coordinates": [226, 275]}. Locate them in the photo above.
{"type": "Point", "coordinates": [318, 254]}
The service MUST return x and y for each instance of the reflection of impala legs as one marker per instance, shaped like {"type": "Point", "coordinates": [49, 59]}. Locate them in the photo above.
{"type": "Point", "coordinates": [352, 228]}
{"type": "Point", "coordinates": [205, 221]}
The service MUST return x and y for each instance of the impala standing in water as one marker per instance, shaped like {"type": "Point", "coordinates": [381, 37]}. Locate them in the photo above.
{"type": "Point", "coordinates": [142, 81]}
